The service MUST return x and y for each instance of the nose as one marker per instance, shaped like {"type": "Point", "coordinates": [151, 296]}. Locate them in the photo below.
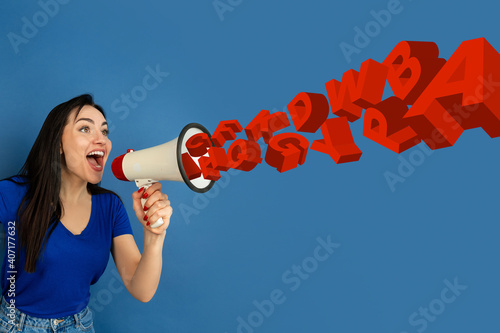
{"type": "Point", "coordinates": [100, 138]}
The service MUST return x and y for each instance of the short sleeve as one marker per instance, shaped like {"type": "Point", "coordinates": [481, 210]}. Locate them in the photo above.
{"type": "Point", "coordinates": [3, 203]}
{"type": "Point", "coordinates": [11, 195]}
{"type": "Point", "coordinates": [121, 222]}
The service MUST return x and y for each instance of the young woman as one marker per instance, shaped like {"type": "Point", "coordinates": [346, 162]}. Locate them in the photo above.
{"type": "Point", "coordinates": [60, 227]}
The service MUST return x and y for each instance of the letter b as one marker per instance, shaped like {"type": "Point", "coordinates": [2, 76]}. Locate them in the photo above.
{"type": "Point", "coordinates": [243, 325]}
{"type": "Point", "coordinates": [51, 7]}
{"type": "Point", "coordinates": [361, 40]}
{"type": "Point", "coordinates": [405, 169]}
{"type": "Point", "coordinates": [28, 30]}
{"type": "Point", "coordinates": [266, 307]}
{"type": "Point", "coordinates": [383, 17]}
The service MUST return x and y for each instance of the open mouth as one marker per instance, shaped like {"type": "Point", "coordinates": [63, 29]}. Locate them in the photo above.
{"type": "Point", "coordinates": [96, 160]}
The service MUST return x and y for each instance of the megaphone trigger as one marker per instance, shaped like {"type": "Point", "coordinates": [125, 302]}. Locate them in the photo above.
{"type": "Point", "coordinates": [146, 183]}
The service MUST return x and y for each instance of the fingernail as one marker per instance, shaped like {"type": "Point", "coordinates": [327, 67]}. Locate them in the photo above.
{"type": "Point", "coordinates": [146, 208]}
{"type": "Point", "coordinates": [148, 224]}
{"type": "Point", "coordinates": [145, 217]}
{"type": "Point", "coordinates": [140, 190]}
{"type": "Point", "coordinates": [145, 195]}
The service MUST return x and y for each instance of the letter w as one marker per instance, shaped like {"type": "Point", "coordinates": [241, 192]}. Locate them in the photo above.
{"type": "Point", "coordinates": [357, 90]}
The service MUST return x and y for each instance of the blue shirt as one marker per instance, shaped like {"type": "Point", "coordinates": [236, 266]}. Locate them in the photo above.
{"type": "Point", "coordinates": [70, 263]}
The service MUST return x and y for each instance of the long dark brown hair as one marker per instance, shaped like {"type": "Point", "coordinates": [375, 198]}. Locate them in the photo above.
{"type": "Point", "coordinates": [41, 207]}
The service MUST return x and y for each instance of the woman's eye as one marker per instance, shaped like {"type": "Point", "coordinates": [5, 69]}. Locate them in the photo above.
{"type": "Point", "coordinates": [85, 129]}
{"type": "Point", "coordinates": [105, 132]}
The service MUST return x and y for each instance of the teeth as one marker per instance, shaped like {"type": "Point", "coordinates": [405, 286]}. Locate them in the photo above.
{"type": "Point", "coordinates": [99, 153]}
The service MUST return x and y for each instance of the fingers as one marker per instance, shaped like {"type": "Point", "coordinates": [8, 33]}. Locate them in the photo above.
{"type": "Point", "coordinates": [153, 188]}
{"type": "Point", "coordinates": [143, 193]}
{"type": "Point", "coordinates": [156, 206]}
{"type": "Point", "coordinates": [153, 198]}
{"type": "Point", "coordinates": [164, 214]}
{"type": "Point", "coordinates": [161, 208]}
{"type": "Point", "coordinates": [136, 203]}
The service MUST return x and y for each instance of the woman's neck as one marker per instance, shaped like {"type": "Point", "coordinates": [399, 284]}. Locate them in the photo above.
{"type": "Point", "coordinates": [73, 189]}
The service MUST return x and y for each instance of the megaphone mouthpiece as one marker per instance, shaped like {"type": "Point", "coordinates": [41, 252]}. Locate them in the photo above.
{"type": "Point", "coordinates": [117, 168]}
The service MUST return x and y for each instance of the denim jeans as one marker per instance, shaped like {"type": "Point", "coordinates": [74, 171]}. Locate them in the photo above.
{"type": "Point", "coordinates": [80, 322]}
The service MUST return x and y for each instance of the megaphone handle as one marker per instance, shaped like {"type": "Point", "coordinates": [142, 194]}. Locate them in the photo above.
{"type": "Point", "coordinates": [146, 184]}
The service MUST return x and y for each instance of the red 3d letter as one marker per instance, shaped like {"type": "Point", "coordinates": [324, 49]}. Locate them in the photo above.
{"type": "Point", "coordinates": [244, 155]}
{"type": "Point", "coordinates": [265, 124]}
{"type": "Point", "coordinates": [216, 160]}
{"type": "Point", "coordinates": [357, 90]}
{"type": "Point", "coordinates": [338, 141]}
{"type": "Point", "coordinates": [308, 111]}
{"type": "Point", "coordinates": [226, 130]}
{"type": "Point", "coordinates": [190, 167]}
{"type": "Point", "coordinates": [412, 65]}
{"type": "Point", "coordinates": [286, 151]}
{"type": "Point", "coordinates": [384, 124]}
{"type": "Point", "coordinates": [198, 144]}
{"type": "Point", "coordinates": [463, 95]}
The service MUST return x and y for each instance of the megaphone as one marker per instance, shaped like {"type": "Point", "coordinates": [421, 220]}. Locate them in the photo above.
{"type": "Point", "coordinates": [162, 162]}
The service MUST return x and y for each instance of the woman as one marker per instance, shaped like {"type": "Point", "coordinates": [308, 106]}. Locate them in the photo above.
{"type": "Point", "coordinates": [61, 226]}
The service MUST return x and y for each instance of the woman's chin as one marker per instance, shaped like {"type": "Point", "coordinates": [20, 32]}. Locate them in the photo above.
{"type": "Point", "coordinates": [95, 176]}
{"type": "Point", "coordinates": [94, 180]}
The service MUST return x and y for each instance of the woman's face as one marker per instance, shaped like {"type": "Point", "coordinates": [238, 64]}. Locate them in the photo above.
{"type": "Point", "coordinates": [85, 145]}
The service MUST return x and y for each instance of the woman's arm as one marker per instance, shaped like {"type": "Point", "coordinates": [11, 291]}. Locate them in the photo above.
{"type": "Point", "coordinates": [141, 273]}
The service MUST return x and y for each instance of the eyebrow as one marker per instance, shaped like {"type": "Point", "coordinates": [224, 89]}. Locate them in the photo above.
{"type": "Point", "coordinates": [91, 121]}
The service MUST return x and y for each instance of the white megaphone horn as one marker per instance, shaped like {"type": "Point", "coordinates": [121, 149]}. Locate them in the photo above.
{"type": "Point", "coordinates": [162, 162]}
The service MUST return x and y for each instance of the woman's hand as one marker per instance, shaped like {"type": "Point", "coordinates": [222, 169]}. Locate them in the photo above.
{"type": "Point", "coordinates": [157, 205]}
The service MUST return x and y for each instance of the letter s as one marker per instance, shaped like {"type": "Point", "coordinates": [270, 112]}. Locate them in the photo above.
{"type": "Point", "coordinates": [414, 322]}
{"type": "Point", "coordinates": [115, 108]}
{"type": "Point", "coordinates": [288, 280]}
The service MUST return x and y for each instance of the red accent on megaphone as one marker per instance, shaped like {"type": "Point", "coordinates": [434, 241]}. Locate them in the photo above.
{"type": "Point", "coordinates": [117, 168]}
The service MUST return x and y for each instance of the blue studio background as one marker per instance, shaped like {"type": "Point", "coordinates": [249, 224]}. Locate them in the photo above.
{"type": "Point", "coordinates": [422, 256]}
